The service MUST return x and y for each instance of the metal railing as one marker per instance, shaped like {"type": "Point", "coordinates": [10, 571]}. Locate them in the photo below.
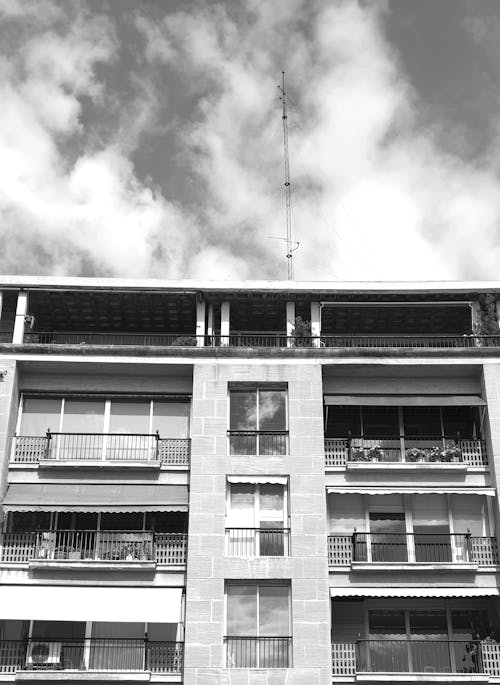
{"type": "Point", "coordinates": [249, 442]}
{"type": "Point", "coordinates": [416, 656]}
{"type": "Point", "coordinates": [258, 542]}
{"type": "Point", "coordinates": [101, 446]}
{"type": "Point", "coordinates": [258, 652]}
{"type": "Point", "coordinates": [276, 339]}
{"type": "Point", "coordinates": [405, 449]}
{"type": "Point", "coordinates": [93, 545]}
{"type": "Point", "coordinates": [91, 655]}
{"type": "Point", "coordinates": [412, 547]}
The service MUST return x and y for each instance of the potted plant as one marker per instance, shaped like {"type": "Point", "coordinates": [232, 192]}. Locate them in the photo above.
{"type": "Point", "coordinates": [301, 333]}
{"type": "Point", "coordinates": [415, 454]}
{"type": "Point", "coordinates": [358, 454]}
{"type": "Point", "coordinates": [376, 453]}
{"type": "Point", "coordinates": [451, 452]}
{"type": "Point", "coordinates": [185, 341]}
{"type": "Point", "coordinates": [435, 454]}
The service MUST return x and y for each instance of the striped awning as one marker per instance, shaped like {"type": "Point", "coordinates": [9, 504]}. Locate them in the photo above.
{"type": "Point", "coordinates": [338, 592]}
{"type": "Point", "coordinates": [409, 490]}
{"type": "Point", "coordinates": [405, 400]}
{"type": "Point", "coordinates": [90, 497]}
{"type": "Point", "coordinates": [273, 480]}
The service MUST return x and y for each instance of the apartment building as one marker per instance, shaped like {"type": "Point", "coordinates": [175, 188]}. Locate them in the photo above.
{"type": "Point", "coordinates": [249, 483]}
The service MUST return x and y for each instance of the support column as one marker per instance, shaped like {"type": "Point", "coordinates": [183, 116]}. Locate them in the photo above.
{"type": "Point", "coordinates": [290, 322]}
{"type": "Point", "coordinates": [497, 308]}
{"type": "Point", "coordinates": [224, 324]}
{"type": "Point", "coordinates": [316, 324]}
{"type": "Point", "coordinates": [200, 323]}
{"type": "Point", "coordinates": [21, 312]}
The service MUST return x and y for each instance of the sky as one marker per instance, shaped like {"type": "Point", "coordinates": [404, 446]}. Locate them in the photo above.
{"type": "Point", "coordinates": [143, 138]}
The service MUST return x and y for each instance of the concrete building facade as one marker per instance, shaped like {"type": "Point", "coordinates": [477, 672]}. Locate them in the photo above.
{"type": "Point", "coordinates": [249, 483]}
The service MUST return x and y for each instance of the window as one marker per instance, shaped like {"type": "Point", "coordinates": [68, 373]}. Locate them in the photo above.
{"type": "Point", "coordinates": [256, 522]}
{"type": "Point", "coordinates": [96, 429]}
{"type": "Point", "coordinates": [258, 626]}
{"type": "Point", "coordinates": [257, 421]}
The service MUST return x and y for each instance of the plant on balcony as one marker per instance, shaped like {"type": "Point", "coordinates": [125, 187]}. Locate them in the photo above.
{"type": "Point", "coordinates": [301, 333]}
{"type": "Point", "coordinates": [376, 453]}
{"type": "Point", "coordinates": [451, 452]}
{"type": "Point", "coordinates": [436, 454]}
{"type": "Point", "coordinates": [185, 341]}
{"type": "Point", "coordinates": [488, 320]}
{"type": "Point", "coordinates": [358, 454]}
{"type": "Point", "coordinates": [416, 454]}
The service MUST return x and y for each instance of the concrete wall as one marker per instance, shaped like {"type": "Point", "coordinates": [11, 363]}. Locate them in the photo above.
{"type": "Point", "coordinates": [208, 568]}
{"type": "Point", "coordinates": [8, 412]}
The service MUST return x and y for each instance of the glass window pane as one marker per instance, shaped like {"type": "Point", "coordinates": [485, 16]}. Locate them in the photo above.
{"type": "Point", "coordinates": [171, 419]}
{"type": "Point", "coordinates": [429, 624]}
{"type": "Point", "coordinates": [343, 421]}
{"type": "Point", "coordinates": [380, 422]}
{"type": "Point", "coordinates": [274, 617]}
{"type": "Point", "coordinates": [129, 417]}
{"type": "Point", "coordinates": [242, 505]}
{"type": "Point", "coordinates": [83, 416]}
{"type": "Point", "coordinates": [422, 422]}
{"type": "Point", "coordinates": [462, 421]}
{"type": "Point", "coordinates": [40, 414]}
{"type": "Point", "coordinates": [272, 410]}
{"type": "Point", "coordinates": [271, 501]}
{"type": "Point", "coordinates": [242, 610]}
{"type": "Point", "coordinates": [386, 624]}
{"type": "Point", "coordinates": [243, 410]}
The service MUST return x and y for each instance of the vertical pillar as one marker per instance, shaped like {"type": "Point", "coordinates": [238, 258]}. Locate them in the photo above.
{"type": "Point", "coordinates": [224, 324]}
{"type": "Point", "coordinates": [316, 324]}
{"type": "Point", "coordinates": [200, 323]}
{"type": "Point", "coordinates": [21, 312]}
{"type": "Point", "coordinates": [210, 321]}
{"type": "Point", "coordinates": [290, 322]}
{"type": "Point", "coordinates": [497, 307]}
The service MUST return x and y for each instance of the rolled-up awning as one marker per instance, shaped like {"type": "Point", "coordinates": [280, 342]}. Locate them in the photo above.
{"type": "Point", "coordinates": [338, 592]}
{"type": "Point", "coordinates": [406, 400]}
{"type": "Point", "coordinates": [98, 497]}
{"type": "Point", "coordinates": [80, 603]}
{"type": "Point", "coordinates": [410, 490]}
{"type": "Point", "coordinates": [273, 480]}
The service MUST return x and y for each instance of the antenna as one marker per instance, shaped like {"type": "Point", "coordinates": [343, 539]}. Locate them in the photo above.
{"type": "Point", "coordinates": [288, 192]}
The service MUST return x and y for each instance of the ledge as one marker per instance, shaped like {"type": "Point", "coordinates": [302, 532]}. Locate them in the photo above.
{"type": "Point", "coordinates": [88, 565]}
{"type": "Point", "coordinates": [376, 566]}
{"type": "Point", "coordinates": [98, 464]}
{"type": "Point", "coordinates": [406, 466]}
{"type": "Point", "coordinates": [422, 678]}
{"type": "Point", "coordinates": [77, 676]}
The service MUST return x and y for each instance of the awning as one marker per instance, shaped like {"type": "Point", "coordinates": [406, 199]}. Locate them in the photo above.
{"type": "Point", "coordinates": [77, 603]}
{"type": "Point", "coordinates": [337, 592]}
{"type": "Point", "coordinates": [410, 490]}
{"type": "Point", "coordinates": [274, 480]}
{"type": "Point", "coordinates": [406, 400]}
{"type": "Point", "coordinates": [99, 497]}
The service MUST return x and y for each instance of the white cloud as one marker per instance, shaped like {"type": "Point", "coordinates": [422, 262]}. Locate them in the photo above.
{"type": "Point", "coordinates": [374, 196]}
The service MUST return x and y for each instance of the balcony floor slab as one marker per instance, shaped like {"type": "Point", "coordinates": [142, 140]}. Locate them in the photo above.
{"type": "Point", "coordinates": [77, 676]}
{"type": "Point", "coordinates": [98, 464]}
{"type": "Point", "coordinates": [72, 565]}
{"type": "Point", "coordinates": [407, 467]}
{"type": "Point", "coordinates": [411, 566]}
{"type": "Point", "coordinates": [422, 678]}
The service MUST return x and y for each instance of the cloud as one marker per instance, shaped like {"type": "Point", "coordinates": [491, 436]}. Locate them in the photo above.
{"type": "Point", "coordinates": [374, 195]}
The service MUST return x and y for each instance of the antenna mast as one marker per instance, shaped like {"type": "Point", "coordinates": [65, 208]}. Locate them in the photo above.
{"type": "Point", "coordinates": [288, 194]}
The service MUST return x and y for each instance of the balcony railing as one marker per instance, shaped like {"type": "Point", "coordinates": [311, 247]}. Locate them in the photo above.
{"type": "Point", "coordinates": [101, 446]}
{"type": "Point", "coordinates": [258, 652]}
{"type": "Point", "coordinates": [91, 655]}
{"type": "Point", "coordinates": [277, 339]}
{"type": "Point", "coordinates": [94, 546]}
{"type": "Point", "coordinates": [258, 542]}
{"type": "Point", "coordinates": [417, 548]}
{"type": "Point", "coordinates": [406, 450]}
{"type": "Point", "coordinates": [249, 442]}
{"type": "Point", "coordinates": [416, 656]}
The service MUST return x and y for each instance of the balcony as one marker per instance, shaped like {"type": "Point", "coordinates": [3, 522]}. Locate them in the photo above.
{"type": "Point", "coordinates": [98, 447]}
{"type": "Point", "coordinates": [411, 548]}
{"type": "Point", "coordinates": [421, 656]}
{"type": "Point", "coordinates": [430, 451]}
{"type": "Point", "coordinates": [258, 652]}
{"type": "Point", "coordinates": [91, 547]}
{"type": "Point", "coordinates": [91, 655]}
{"type": "Point", "coordinates": [257, 542]}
